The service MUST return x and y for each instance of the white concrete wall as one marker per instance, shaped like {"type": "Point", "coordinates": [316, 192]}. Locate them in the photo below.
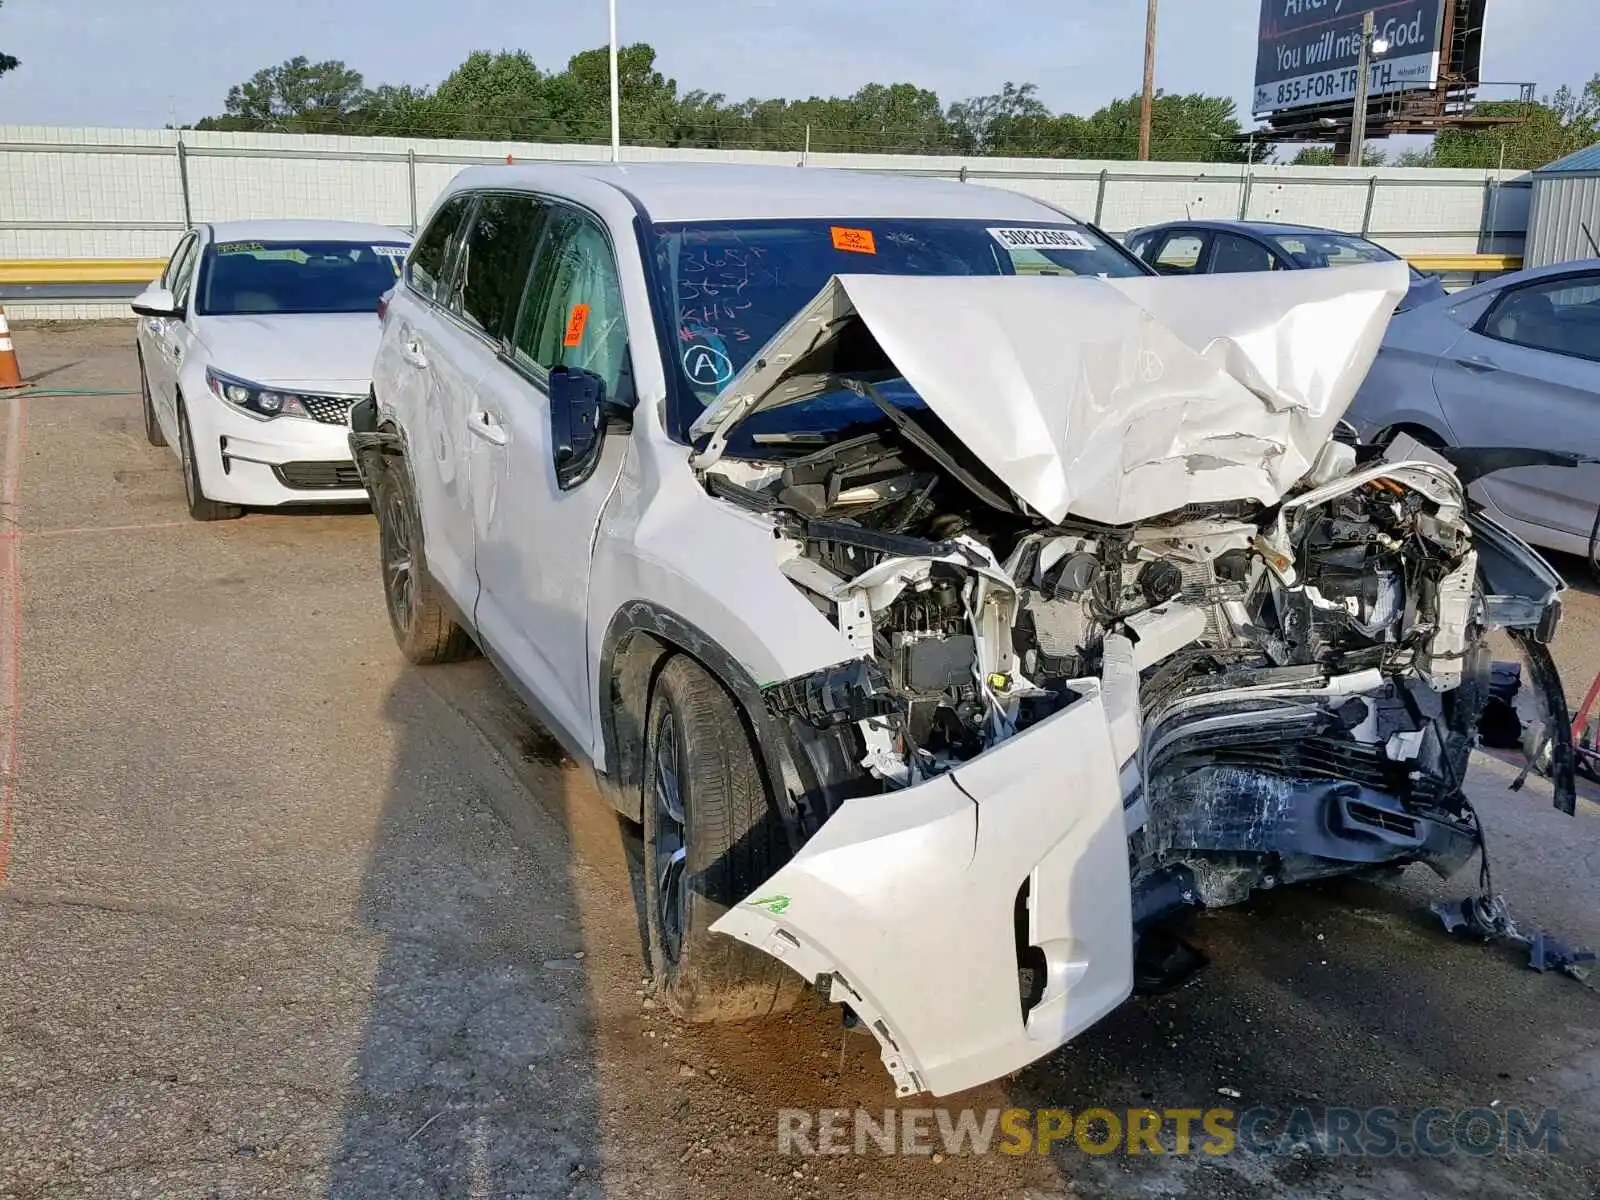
{"type": "Point", "coordinates": [119, 193]}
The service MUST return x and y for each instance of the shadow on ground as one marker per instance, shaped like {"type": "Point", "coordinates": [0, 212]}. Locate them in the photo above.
{"type": "Point", "coordinates": [476, 1074]}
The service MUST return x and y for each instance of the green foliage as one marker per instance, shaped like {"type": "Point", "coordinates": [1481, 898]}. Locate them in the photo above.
{"type": "Point", "coordinates": [505, 96]}
{"type": "Point", "coordinates": [296, 96]}
{"type": "Point", "coordinates": [8, 62]}
{"type": "Point", "coordinates": [1324, 156]}
{"type": "Point", "coordinates": [1538, 134]}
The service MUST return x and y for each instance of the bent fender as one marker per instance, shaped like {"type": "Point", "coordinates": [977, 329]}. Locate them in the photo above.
{"type": "Point", "coordinates": [907, 901]}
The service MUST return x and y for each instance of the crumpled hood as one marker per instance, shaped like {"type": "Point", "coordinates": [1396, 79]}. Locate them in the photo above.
{"type": "Point", "coordinates": [1111, 399]}
{"type": "Point", "coordinates": [317, 352]}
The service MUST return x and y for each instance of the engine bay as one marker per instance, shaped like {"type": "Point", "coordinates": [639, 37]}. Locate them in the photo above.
{"type": "Point", "coordinates": [1293, 689]}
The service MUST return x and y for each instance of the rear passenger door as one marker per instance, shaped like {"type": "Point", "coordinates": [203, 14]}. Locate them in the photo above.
{"type": "Point", "coordinates": [1232, 254]}
{"type": "Point", "coordinates": [1181, 252]}
{"type": "Point", "coordinates": [533, 535]}
{"type": "Point", "coordinates": [158, 342]}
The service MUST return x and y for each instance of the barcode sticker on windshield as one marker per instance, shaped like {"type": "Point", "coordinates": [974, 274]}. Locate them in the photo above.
{"type": "Point", "coordinates": [1041, 239]}
{"type": "Point", "coordinates": [390, 251]}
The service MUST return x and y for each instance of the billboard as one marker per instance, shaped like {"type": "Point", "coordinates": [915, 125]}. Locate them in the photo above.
{"type": "Point", "coordinates": [1308, 50]}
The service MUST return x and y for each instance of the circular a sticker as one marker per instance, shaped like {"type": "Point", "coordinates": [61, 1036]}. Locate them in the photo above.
{"type": "Point", "coordinates": [707, 366]}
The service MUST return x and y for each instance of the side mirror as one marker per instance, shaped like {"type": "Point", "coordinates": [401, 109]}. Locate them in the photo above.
{"type": "Point", "coordinates": [156, 302]}
{"type": "Point", "coordinates": [577, 404]}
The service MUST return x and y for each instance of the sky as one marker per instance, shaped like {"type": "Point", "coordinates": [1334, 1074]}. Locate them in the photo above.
{"type": "Point", "coordinates": [116, 63]}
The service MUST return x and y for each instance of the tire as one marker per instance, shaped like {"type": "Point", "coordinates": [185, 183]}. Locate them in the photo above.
{"type": "Point", "coordinates": [418, 615]}
{"type": "Point", "coordinates": [711, 836]}
{"type": "Point", "coordinates": [152, 426]}
{"type": "Point", "coordinates": [200, 507]}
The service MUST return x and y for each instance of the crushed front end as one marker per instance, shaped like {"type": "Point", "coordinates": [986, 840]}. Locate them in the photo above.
{"type": "Point", "coordinates": [1047, 732]}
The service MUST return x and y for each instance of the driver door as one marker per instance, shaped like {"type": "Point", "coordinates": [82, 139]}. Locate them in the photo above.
{"type": "Point", "coordinates": [533, 536]}
{"type": "Point", "coordinates": [161, 341]}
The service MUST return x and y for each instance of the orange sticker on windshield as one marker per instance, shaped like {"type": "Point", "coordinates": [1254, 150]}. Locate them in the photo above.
{"type": "Point", "coordinates": [575, 324]}
{"type": "Point", "coordinates": [857, 241]}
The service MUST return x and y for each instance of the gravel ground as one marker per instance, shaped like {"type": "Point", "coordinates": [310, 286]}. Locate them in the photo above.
{"type": "Point", "coordinates": [285, 917]}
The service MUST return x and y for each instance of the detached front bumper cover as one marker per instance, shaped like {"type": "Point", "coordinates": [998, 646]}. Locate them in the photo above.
{"type": "Point", "coordinates": [908, 903]}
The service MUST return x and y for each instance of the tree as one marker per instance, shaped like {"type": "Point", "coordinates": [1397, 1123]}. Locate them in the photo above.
{"type": "Point", "coordinates": [580, 96]}
{"type": "Point", "coordinates": [296, 96]}
{"type": "Point", "coordinates": [1324, 156]}
{"type": "Point", "coordinates": [496, 96]}
{"type": "Point", "coordinates": [1416, 158]}
{"type": "Point", "coordinates": [1008, 118]}
{"type": "Point", "coordinates": [1184, 128]}
{"type": "Point", "coordinates": [1539, 134]}
{"type": "Point", "coordinates": [8, 62]}
{"type": "Point", "coordinates": [402, 111]}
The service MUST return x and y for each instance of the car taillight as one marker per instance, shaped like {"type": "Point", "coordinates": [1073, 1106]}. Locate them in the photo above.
{"type": "Point", "coordinates": [383, 305]}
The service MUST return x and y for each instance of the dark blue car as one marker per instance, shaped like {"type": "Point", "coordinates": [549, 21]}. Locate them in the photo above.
{"type": "Point", "coordinates": [1223, 247]}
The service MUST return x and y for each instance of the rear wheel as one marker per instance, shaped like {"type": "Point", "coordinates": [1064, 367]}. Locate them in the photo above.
{"type": "Point", "coordinates": [711, 837]}
{"type": "Point", "coordinates": [200, 507]}
{"type": "Point", "coordinates": [152, 426]}
{"type": "Point", "coordinates": [417, 612]}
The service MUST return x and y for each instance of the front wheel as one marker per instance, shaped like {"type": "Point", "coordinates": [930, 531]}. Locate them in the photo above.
{"type": "Point", "coordinates": [201, 508]}
{"type": "Point", "coordinates": [711, 837]}
{"type": "Point", "coordinates": [417, 613]}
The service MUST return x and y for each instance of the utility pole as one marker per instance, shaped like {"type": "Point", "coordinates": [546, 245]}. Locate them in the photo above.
{"type": "Point", "coordinates": [1358, 115]}
{"type": "Point", "coordinates": [1148, 97]}
{"type": "Point", "coordinates": [616, 116]}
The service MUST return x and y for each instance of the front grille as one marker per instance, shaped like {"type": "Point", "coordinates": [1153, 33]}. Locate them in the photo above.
{"type": "Point", "coordinates": [329, 410]}
{"type": "Point", "coordinates": [318, 476]}
{"type": "Point", "coordinates": [1317, 758]}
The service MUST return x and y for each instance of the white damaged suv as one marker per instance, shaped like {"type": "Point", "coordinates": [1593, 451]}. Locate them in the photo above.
{"type": "Point", "coordinates": [949, 598]}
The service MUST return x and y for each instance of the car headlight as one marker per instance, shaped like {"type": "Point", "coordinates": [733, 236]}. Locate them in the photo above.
{"type": "Point", "coordinates": [253, 398]}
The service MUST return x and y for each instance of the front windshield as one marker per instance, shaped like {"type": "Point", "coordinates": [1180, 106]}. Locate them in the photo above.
{"type": "Point", "coordinates": [1330, 249]}
{"type": "Point", "coordinates": [730, 286]}
{"type": "Point", "coordinates": [298, 277]}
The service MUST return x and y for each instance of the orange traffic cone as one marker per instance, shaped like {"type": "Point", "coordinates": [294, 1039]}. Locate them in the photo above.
{"type": "Point", "coordinates": [10, 372]}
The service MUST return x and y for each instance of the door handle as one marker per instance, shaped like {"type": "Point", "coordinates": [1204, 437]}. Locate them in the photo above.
{"type": "Point", "coordinates": [487, 426]}
{"type": "Point", "coordinates": [1478, 363]}
{"type": "Point", "coordinates": [411, 350]}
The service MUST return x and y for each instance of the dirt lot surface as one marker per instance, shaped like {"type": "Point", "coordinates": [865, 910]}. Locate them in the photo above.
{"type": "Point", "coordinates": [283, 916]}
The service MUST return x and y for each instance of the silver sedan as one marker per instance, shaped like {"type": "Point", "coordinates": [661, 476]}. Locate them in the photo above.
{"type": "Point", "coordinates": [1514, 362]}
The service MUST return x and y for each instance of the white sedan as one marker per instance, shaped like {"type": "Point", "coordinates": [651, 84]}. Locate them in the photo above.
{"type": "Point", "coordinates": [253, 345]}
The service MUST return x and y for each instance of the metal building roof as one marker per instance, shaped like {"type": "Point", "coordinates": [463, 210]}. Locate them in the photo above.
{"type": "Point", "coordinates": [1581, 160]}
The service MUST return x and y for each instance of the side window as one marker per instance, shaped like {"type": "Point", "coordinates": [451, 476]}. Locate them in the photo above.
{"type": "Point", "coordinates": [1232, 255]}
{"type": "Point", "coordinates": [183, 277]}
{"type": "Point", "coordinates": [1561, 315]}
{"type": "Point", "coordinates": [185, 250]}
{"type": "Point", "coordinates": [430, 257]}
{"type": "Point", "coordinates": [1140, 244]}
{"type": "Point", "coordinates": [494, 260]}
{"type": "Point", "coordinates": [1180, 254]}
{"type": "Point", "coordinates": [571, 313]}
